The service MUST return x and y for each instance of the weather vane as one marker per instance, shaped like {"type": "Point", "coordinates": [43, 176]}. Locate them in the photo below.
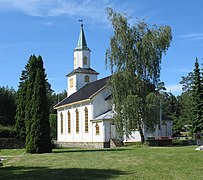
{"type": "Point", "coordinates": [80, 20]}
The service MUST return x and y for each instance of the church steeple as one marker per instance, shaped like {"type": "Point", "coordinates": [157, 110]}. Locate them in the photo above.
{"type": "Point", "coordinates": [82, 44]}
{"type": "Point", "coordinates": [82, 73]}
{"type": "Point", "coordinates": [81, 52]}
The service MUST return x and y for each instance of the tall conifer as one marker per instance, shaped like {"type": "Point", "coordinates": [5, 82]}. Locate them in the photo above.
{"type": "Point", "coordinates": [37, 115]}
{"type": "Point", "coordinates": [197, 122]}
{"type": "Point", "coordinates": [32, 118]}
{"type": "Point", "coordinates": [21, 105]}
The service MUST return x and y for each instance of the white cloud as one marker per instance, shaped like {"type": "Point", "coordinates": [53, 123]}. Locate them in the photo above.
{"type": "Point", "coordinates": [192, 36]}
{"type": "Point", "coordinates": [94, 10]}
{"type": "Point", "coordinates": [174, 88]}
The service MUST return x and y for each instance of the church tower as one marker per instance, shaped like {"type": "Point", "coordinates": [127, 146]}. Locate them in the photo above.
{"type": "Point", "coordinates": [82, 73]}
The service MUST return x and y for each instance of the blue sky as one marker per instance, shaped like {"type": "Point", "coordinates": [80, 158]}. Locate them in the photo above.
{"type": "Point", "coordinates": [50, 28]}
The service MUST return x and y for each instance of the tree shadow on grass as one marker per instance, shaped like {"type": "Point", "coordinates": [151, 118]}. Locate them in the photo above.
{"type": "Point", "coordinates": [87, 150]}
{"type": "Point", "coordinates": [62, 173]}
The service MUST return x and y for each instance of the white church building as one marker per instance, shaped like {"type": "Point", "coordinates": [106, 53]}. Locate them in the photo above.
{"type": "Point", "coordinates": [85, 116]}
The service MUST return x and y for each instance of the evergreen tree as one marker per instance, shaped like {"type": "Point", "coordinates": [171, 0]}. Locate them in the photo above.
{"type": "Point", "coordinates": [37, 112]}
{"type": "Point", "coordinates": [187, 82]}
{"type": "Point", "coordinates": [21, 104]}
{"type": "Point", "coordinates": [171, 111]}
{"type": "Point", "coordinates": [32, 116]}
{"type": "Point", "coordinates": [53, 125]}
{"type": "Point", "coordinates": [185, 101]}
{"type": "Point", "coordinates": [134, 58]}
{"type": "Point", "coordinates": [7, 106]}
{"type": "Point", "coordinates": [197, 94]}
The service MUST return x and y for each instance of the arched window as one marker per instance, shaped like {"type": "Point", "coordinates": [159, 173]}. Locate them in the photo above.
{"type": "Point", "coordinates": [71, 82]}
{"type": "Point", "coordinates": [85, 60]}
{"type": "Point", "coordinates": [61, 123]}
{"type": "Point", "coordinates": [69, 123]}
{"type": "Point", "coordinates": [87, 78]}
{"type": "Point", "coordinates": [77, 120]}
{"type": "Point", "coordinates": [97, 129]}
{"type": "Point", "coordinates": [86, 120]}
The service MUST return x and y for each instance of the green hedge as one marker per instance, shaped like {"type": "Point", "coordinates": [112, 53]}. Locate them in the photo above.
{"type": "Point", "coordinates": [53, 125]}
{"type": "Point", "coordinates": [7, 131]}
{"type": "Point", "coordinates": [185, 142]}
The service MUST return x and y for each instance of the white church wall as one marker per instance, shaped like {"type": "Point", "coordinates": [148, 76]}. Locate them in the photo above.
{"type": "Point", "coordinates": [98, 137]}
{"type": "Point", "coordinates": [99, 104]}
{"type": "Point", "coordinates": [60, 136]}
{"type": "Point", "coordinates": [73, 136]}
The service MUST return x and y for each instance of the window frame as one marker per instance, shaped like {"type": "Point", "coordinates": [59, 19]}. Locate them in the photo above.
{"type": "Point", "coordinates": [71, 82]}
{"type": "Point", "coordinates": [69, 122]}
{"type": "Point", "coordinates": [87, 78]}
{"type": "Point", "coordinates": [86, 120]}
{"type": "Point", "coordinates": [62, 123]}
{"type": "Point", "coordinates": [85, 60]}
{"type": "Point", "coordinates": [97, 129]}
{"type": "Point", "coordinates": [77, 121]}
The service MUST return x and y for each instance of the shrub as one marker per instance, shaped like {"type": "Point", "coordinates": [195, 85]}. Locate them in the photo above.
{"type": "Point", "coordinates": [7, 131]}
{"type": "Point", "coordinates": [53, 125]}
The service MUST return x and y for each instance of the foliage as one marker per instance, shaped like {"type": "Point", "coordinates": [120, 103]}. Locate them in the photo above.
{"type": "Point", "coordinates": [54, 99]}
{"type": "Point", "coordinates": [53, 125]}
{"type": "Point", "coordinates": [51, 99]}
{"type": "Point", "coordinates": [21, 105]}
{"type": "Point", "coordinates": [7, 131]}
{"type": "Point", "coordinates": [152, 111]}
{"type": "Point", "coordinates": [171, 110]}
{"type": "Point", "coordinates": [185, 101]}
{"type": "Point", "coordinates": [7, 106]}
{"type": "Point", "coordinates": [191, 100]}
{"type": "Point", "coordinates": [32, 118]}
{"type": "Point", "coordinates": [197, 94]}
{"type": "Point", "coordinates": [134, 58]}
{"type": "Point", "coordinates": [187, 82]}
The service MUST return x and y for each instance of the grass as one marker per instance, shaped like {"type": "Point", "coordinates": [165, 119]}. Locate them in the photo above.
{"type": "Point", "coordinates": [134, 162]}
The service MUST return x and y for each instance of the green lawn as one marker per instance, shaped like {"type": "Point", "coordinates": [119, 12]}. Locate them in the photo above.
{"type": "Point", "coordinates": [134, 162]}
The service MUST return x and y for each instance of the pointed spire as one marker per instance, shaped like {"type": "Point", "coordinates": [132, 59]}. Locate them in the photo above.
{"type": "Point", "coordinates": [82, 41]}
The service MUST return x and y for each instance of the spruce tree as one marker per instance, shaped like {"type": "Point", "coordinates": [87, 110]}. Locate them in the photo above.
{"type": "Point", "coordinates": [7, 106]}
{"type": "Point", "coordinates": [31, 70]}
{"type": "Point", "coordinates": [37, 114]}
{"type": "Point", "coordinates": [197, 121]}
{"type": "Point", "coordinates": [21, 105]}
{"type": "Point", "coordinates": [20, 113]}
